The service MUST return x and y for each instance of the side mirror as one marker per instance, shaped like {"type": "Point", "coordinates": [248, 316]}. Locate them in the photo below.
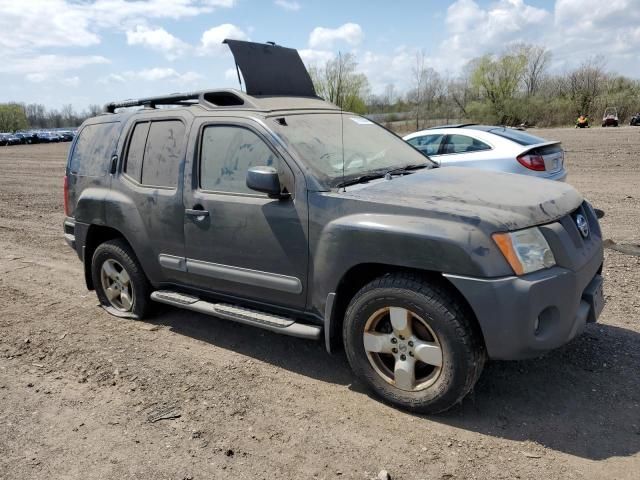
{"type": "Point", "coordinates": [265, 180]}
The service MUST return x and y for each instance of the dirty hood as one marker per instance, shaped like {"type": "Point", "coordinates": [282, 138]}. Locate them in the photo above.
{"type": "Point", "coordinates": [500, 201]}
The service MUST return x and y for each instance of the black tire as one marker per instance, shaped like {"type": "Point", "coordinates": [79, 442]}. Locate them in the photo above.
{"type": "Point", "coordinates": [463, 354]}
{"type": "Point", "coordinates": [119, 252]}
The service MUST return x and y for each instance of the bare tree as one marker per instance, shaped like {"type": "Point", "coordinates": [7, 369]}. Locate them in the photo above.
{"type": "Point", "coordinates": [339, 83]}
{"type": "Point", "coordinates": [586, 83]}
{"type": "Point", "coordinates": [537, 60]}
{"type": "Point", "coordinates": [427, 87]}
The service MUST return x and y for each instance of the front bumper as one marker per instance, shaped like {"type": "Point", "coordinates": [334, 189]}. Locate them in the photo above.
{"type": "Point", "coordinates": [523, 317]}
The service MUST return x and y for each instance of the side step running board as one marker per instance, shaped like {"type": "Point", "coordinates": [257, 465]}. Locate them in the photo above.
{"type": "Point", "coordinates": [256, 318]}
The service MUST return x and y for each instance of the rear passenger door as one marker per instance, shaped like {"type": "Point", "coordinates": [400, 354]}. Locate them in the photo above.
{"type": "Point", "coordinates": [147, 196]}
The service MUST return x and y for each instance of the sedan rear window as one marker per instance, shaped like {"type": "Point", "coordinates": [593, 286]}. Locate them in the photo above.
{"type": "Point", "coordinates": [517, 136]}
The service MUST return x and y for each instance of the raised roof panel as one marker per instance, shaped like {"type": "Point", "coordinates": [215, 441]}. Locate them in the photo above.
{"type": "Point", "coordinates": [271, 69]}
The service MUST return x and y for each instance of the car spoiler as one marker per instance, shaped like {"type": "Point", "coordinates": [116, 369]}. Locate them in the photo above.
{"type": "Point", "coordinates": [528, 148]}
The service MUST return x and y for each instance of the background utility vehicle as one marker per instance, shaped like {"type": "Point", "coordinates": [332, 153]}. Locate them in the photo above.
{"type": "Point", "coordinates": [275, 209]}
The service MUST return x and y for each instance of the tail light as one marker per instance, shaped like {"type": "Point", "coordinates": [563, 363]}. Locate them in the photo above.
{"type": "Point", "coordinates": [66, 196]}
{"type": "Point", "coordinates": [532, 161]}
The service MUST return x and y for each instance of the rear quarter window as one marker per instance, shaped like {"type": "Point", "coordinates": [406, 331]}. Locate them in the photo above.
{"type": "Point", "coordinates": [517, 136]}
{"type": "Point", "coordinates": [94, 148]}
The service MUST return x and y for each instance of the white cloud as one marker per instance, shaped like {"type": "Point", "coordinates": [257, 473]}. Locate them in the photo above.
{"type": "Point", "coordinates": [311, 56]}
{"type": "Point", "coordinates": [211, 41]}
{"type": "Point", "coordinates": [70, 81]}
{"type": "Point", "coordinates": [584, 28]}
{"type": "Point", "coordinates": [290, 5]}
{"type": "Point", "coordinates": [155, 74]}
{"type": "Point", "coordinates": [350, 33]}
{"type": "Point", "coordinates": [35, 24]}
{"type": "Point", "coordinates": [49, 64]}
{"type": "Point", "coordinates": [157, 39]}
{"type": "Point", "coordinates": [475, 31]}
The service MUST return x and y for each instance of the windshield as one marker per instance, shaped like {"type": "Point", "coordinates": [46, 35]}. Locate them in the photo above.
{"type": "Point", "coordinates": [368, 148]}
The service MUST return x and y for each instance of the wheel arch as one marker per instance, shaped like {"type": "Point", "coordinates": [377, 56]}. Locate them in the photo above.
{"type": "Point", "coordinates": [95, 236]}
{"type": "Point", "coordinates": [360, 275]}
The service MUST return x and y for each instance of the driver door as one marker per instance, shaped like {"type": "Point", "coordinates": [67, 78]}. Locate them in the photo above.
{"type": "Point", "coordinates": [240, 242]}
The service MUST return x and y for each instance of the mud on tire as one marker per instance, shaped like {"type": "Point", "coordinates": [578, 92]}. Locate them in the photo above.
{"type": "Point", "coordinates": [382, 355]}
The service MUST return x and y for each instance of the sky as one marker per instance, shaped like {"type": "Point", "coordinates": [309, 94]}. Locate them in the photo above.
{"type": "Point", "coordinates": [82, 52]}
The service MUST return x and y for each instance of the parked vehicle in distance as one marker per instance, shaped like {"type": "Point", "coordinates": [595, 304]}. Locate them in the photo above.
{"type": "Point", "coordinates": [27, 138]}
{"type": "Point", "coordinates": [65, 135]}
{"type": "Point", "coordinates": [486, 147]}
{"type": "Point", "coordinates": [48, 137]}
{"type": "Point", "coordinates": [7, 139]}
{"type": "Point", "coordinates": [610, 117]}
{"type": "Point", "coordinates": [635, 120]}
{"type": "Point", "coordinates": [274, 208]}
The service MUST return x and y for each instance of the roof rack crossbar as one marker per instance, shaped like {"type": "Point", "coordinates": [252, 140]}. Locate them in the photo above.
{"type": "Point", "coordinates": [173, 99]}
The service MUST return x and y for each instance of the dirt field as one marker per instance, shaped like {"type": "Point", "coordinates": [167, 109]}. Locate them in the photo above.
{"type": "Point", "coordinates": [80, 391]}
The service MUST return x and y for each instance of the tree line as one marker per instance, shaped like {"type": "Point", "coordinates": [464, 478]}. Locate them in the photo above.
{"type": "Point", "coordinates": [511, 88]}
{"type": "Point", "coordinates": [18, 116]}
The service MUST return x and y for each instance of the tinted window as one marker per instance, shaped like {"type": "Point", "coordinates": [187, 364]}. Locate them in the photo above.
{"type": "Point", "coordinates": [135, 153]}
{"type": "Point", "coordinates": [517, 136]}
{"type": "Point", "coordinates": [227, 154]}
{"type": "Point", "coordinates": [464, 144]}
{"type": "Point", "coordinates": [429, 144]}
{"type": "Point", "coordinates": [94, 148]}
{"type": "Point", "coordinates": [163, 153]}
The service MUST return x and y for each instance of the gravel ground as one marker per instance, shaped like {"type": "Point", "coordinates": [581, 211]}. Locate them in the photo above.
{"type": "Point", "coordinates": [86, 395]}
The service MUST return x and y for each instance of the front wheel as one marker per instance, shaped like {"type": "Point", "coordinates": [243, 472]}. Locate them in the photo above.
{"type": "Point", "coordinates": [413, 343]}
{"type": "Point", "coordinates": [121, 285]}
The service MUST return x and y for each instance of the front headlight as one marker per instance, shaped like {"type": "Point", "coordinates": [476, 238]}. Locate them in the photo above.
{"type": "Point", "coordinates": [526, 250]}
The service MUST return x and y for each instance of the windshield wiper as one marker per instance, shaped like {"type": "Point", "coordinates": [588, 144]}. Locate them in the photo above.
{"type": "Point", "coordinates": [361, 179]}
{"type": "Point", "coordinates": [407, 169]}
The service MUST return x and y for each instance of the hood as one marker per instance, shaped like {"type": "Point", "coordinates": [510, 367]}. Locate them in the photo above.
{"type": "Point", "coordinates": [501, 201]}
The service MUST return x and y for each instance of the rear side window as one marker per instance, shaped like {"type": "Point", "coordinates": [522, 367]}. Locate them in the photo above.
{"type": "Point", "coordinates": [94, 148]}
{"type": "Point", "coordinates": [162, 153]}
{"type": "Point", "coordinates": [133, 167]}
{"type": "Point", "coordinates": [227, 153]}
{"type": "Point", "coordinates": [517, 136]}
{"type": "Point", "coordinates": [154, 153]}
{"type": "Point", "coordinates": [464, 144]}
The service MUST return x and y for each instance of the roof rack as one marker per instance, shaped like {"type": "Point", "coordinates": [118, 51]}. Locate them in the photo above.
{"type": "Point", "coordinates": [153, 102]}
{"type": "Point", "coordinates": [207, 98]}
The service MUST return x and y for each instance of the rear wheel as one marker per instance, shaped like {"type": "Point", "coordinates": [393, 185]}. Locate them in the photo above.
{"type": "Point", "coordinates": [412, 343]}
{"type": "Point", "coordinates": [120, 283]}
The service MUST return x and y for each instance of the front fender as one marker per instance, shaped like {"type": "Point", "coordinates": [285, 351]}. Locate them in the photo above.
{"type": "Point", "coordinates": [429, 244]}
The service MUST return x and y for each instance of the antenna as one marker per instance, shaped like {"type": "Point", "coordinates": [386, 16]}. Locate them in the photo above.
{"type": "Point", "coordinates": [344, 188]}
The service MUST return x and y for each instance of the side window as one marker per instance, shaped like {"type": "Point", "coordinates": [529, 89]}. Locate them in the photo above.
{"type": "Point", "coordinates": [133, 167]}
{"type": "Point", "coordinates": [428, 144]}
{"type": "Point", "coordinates": [463, 144]}
{"type": "Point", "coordinates": [93, 150]}
{"type": "Point", "coordinates": [154, 153]}
{"type": "Point", "coordinates": [162, 155]}
{"type": "Point", "coordinates": [227, 153]}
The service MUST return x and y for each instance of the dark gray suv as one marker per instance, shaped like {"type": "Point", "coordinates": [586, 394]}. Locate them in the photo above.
{"type": "Point", "coordinates": [276, 209]}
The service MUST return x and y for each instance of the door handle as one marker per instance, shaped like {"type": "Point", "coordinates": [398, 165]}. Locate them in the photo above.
{"type": "Point", "coordinates": [197, 213]}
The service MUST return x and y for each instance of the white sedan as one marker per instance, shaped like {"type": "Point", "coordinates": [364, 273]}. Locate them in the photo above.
{"type": "Point", "coordinates": [491, 148]}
